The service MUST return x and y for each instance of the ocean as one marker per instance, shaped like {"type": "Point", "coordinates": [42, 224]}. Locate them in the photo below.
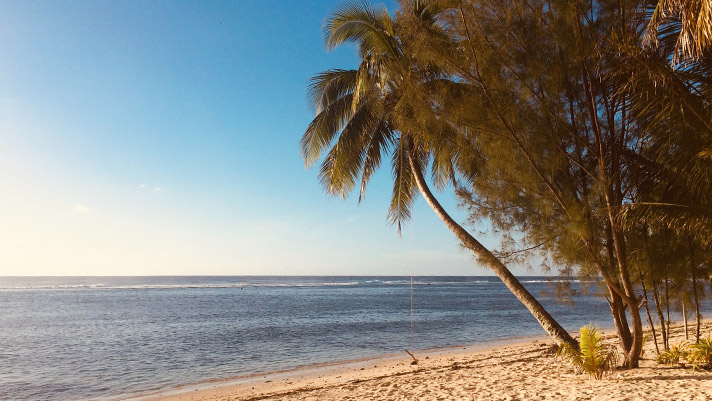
{"type": "Point", "coordinates": [80, 338]}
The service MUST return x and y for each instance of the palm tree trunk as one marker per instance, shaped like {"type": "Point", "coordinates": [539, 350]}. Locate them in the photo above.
{"type": "Point", "coordinates": [551, 326]}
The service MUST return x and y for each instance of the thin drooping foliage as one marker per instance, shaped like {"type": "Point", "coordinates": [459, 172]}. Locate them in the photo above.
{"type": "Point", "coordinates": [552, 132]}
{"type": "Point", "coordinates": [367, 114]}
{"type": "Point", "coordinates": [579, 131]}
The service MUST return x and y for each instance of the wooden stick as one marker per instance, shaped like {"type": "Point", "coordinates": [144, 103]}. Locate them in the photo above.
{"type": "Point", "coordinates": [415, 361]}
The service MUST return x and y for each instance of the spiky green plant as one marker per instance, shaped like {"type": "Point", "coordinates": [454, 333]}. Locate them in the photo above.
{"type": "Point", "coordinates": [594, 357]}
{"type": "Point", "coordinates": [674, 354]}
{"type": "Point", "coordinates": [700, 355]}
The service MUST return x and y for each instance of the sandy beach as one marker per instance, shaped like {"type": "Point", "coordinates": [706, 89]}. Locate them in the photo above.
{"type": "Point", "coordinates": [518, 370]}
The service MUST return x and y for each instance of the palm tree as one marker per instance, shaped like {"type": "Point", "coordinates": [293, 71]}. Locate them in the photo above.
{"type": "Point", "coordinates": [360, 115]}
{"type": "Point", "coordinates": [689, 22]}
{"type": "Point", "coordinates": [670, 102]}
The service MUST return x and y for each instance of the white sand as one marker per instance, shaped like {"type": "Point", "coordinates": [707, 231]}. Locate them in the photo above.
{"type": "Point", "coordinates": [521, 371]}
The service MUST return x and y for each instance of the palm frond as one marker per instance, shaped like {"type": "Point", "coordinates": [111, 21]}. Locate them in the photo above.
{"type": "Point", "coordinates": [692, 220]}
{"type": "Point", "coordinates": [404, 187]}
{"type": "Point", "coordinates": [381, 141]}
{"type": "Point", "coordinates": [692, 20]}
{"type": "Point", "coordinates": [324, 128]}
{"type": "Point", "coordinates": [359, 23]}
{"type": "Point", "coordinates": [329, 86]}
{"type": "Point", "coordinates": [594, 357]}
{"type": "Point", "coordinates": [342, 165]}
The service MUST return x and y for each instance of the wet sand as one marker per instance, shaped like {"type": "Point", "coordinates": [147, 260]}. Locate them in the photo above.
{"type": "Point", "coordinates": [518, 370]}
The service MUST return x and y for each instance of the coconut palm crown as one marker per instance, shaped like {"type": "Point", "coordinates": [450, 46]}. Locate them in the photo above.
{"type": "Point", "coordinates": [356, 123]}
{"type": "Point", "coordinates": [361, 116]}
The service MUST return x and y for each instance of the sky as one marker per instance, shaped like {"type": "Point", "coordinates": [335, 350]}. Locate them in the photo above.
{"type": "Point", "coordinates": [162, 138]}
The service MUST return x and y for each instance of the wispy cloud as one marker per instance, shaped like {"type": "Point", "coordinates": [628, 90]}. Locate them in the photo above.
{"type": "Point", "coordinates": [81, 209]}
{"type": "Point", "coordinates": [154, 188]}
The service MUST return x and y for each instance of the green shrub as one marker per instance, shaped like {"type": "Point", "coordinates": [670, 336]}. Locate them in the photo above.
{"type": "Point", "coordinates": [594, 357]}
{"type": "Point", "coordinates": [674, 354]}
{"type": "Point", "coordinates": [700, 355]}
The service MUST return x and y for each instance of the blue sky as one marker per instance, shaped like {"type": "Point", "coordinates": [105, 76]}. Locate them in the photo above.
{"type": "Point", "coordinates": [162, 138]}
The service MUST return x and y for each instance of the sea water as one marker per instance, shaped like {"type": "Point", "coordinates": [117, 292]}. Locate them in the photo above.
{"type": "Point", "coordinates": [78, 338]}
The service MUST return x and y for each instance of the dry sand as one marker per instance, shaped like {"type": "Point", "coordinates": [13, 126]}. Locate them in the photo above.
{"type": "Point", "coordinates": [515, 371]}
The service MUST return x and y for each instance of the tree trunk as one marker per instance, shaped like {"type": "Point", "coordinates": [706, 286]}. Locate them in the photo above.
{"type": "Point", "coordinates": [693, 271]}
{"type": "Point", "coordinates": [551, 326]}
{"type": "Point", "coordinates": [661, 317]}
{"type": "Point", "coordinates": [618, 253]}
{"type": "Point", "coordinates": [617, 305]}
{"type": "Point", "coordinates": [698, 316]}
{"type": "Point", "coordinates": [667, 304]}
{"type": "Point", "coordinates": [652, 266]}
{"type": "Point", "coordinates": [647, 311]}
{"type": "Point", "coordinates": [632, 356]}
{"type": "Point", "coordinates": [619, 319]}
{"type": "Point", "coordinates": [684, 318]}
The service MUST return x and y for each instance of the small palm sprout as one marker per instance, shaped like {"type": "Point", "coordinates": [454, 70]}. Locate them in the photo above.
{"type": "Point", "coordinates": [594, 357]}
{"type": "Point", "coordinates": [674, 354]}
{"type": "Point", "coordinates": [700, 355]}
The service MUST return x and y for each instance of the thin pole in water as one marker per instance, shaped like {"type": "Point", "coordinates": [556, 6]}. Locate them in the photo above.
{"type": "Point", "coordinates": [411, 282]}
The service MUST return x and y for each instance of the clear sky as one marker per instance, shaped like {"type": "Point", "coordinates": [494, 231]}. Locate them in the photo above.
{"type": "Point", "coordinates": [162, 137]}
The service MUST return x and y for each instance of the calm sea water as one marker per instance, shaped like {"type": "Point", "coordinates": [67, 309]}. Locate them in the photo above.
{"type": "Point", "coordinates": [77, 338]}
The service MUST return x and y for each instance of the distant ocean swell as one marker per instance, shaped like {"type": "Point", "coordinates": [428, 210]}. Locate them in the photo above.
{"type": "Point", "coordinates": [83, 338]}
{"type": "Point", "coordinates": [25, 285]}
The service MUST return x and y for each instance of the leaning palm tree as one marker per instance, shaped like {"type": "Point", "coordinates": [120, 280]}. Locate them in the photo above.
{"type": "Point", "coordinates": [360, 119]}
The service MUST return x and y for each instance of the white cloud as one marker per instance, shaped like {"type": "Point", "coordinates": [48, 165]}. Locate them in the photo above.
{"type": "Point", "coordinates": [81, 209]}
{"type": "Point", "coordinates": [155, 188]}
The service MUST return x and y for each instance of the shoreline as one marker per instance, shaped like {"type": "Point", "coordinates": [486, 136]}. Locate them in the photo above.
{"type": "Point", "coordinates": [517, 368]}
{"type": "Point", "coordinates": [331, 367]}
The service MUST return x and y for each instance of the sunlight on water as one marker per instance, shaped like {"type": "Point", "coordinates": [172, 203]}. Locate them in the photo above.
{"type": "Point", "coordinates": [81, 338]}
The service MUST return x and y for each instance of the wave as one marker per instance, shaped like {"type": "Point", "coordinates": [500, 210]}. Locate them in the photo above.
{"type": "Point", "coordinates": [169, 286]}
{"type": "Point", "coordinates": [573, 280]}
{"type": "Point", "coordinates": [420, 281]}
{"type": "Point", "coordinates": [233, 285]}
